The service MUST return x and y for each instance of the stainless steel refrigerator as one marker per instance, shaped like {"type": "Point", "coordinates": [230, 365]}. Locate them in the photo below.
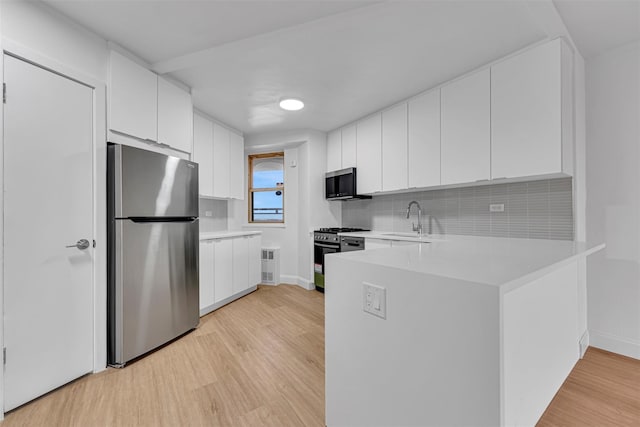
{"type": "Point", "coordinates": [153, 238]}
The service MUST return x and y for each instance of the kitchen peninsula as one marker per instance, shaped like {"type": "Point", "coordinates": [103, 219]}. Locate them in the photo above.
{"type": "Point", "coordinates": [465, 331]}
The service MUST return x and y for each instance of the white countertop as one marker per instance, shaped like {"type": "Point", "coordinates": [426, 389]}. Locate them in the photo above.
{"type": "Point", "coordinates": [227, 234]}
{"type": "Point", "coordinates": [390, 235]}
{"type": "Point", "coordinates": [502, 262]}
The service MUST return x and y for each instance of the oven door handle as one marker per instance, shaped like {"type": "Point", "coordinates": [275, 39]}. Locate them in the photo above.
{"type": "Point", "coordinates": [321, 245]}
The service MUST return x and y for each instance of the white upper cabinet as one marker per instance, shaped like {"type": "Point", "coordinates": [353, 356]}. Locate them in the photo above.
{"type": "Point", "coordinates": [334, 150]}
{"type": "Point", "coordinates": [175, 116]}
{"type": "Point", "coordinates": [203, 153]}
{"type": "Point", "coordinates": [237, 169]}
{"type": "Point", "coordinates": [147, 107]}
{"type": "Point", "coordinates": [394, 148]}
{"type": "Point", "coordinates": [511, 120]}
{"type": "Point", "coordinates": [133, 99]}
{"type": "Point", "coordinates": [221, 154]}
{"type": "Point", "coordinates": [349, 146]}
{"type": "Point", "coordinates": [369, 149]}
{"type": "Point", "coordinates": [466, 132]}
{"type": "Point", "coordinates": [341, 148]}
{"type": "Point", "coordinates": [424, 140]}
{"type": "Point", "coordinates": [527, 118]}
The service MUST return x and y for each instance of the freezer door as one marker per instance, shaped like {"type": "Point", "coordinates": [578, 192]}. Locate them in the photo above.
{"type": "Point", "coordinates": [148, 184]}
{"type": "Point", "coordinates": [156, 291]}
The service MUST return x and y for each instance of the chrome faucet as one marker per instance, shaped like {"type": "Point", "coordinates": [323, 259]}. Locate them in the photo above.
{"type": "Point", "coordinates": [418, 227]}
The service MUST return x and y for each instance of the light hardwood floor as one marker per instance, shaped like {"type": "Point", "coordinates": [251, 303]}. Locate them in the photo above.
{"type": "Point", "coordinates": [260, 362]}
{"type": "Point", "coordinates": [256, 362]}
{"type": "Point", "coordinates": [602, 390]}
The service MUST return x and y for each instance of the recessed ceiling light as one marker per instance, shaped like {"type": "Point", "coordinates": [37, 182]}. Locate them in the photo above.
{"type": "Point", "coordinates": [291, 104]}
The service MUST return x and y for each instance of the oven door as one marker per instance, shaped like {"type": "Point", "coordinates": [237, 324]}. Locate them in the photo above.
{"type": "Point", "coordinates": [319, 251]}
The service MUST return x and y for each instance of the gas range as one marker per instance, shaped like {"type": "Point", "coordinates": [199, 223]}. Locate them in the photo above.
{"type": "Point", "coordinates": [326, 241]}
{"type": "Point", "coordinates": [330, 235]}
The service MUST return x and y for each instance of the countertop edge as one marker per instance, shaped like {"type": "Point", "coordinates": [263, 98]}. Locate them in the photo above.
{"type": "Point", "coordinates": [534, 275]}
{"type": "Point", "coordinates": [384, 236]}
{"type": "Point", "coordinates": [504, 286]}
{"type": "Point", "coordinates": [227, 234]}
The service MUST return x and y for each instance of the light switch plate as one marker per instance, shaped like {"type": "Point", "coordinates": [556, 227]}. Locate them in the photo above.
{"type": "Point", "coordinates": [496, 207]}
{"type": "Point", "coordinates": [208, 213]}
{"type": "Point", "coordinates": [374, 300]}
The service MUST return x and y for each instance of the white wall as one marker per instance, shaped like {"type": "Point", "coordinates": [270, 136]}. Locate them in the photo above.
{"type": "Point", "coordinates": [218, 219]}
{"type": "Point", "coordinates": [44, 30]}
{"type": "Point", "coordinates": [305, 205]}
{"type": "Point", "coordinates": [613, 199]}
{"type": "Point", "coordinates": [34, 32]}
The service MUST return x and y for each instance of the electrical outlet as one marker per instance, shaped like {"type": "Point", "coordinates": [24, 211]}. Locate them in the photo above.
{"type": "Point", "coordinates": [374, 300]}
{"type": "Point", "coordinates": [496, 207]}
{"type": "Point", "coordinates": [208, 213]}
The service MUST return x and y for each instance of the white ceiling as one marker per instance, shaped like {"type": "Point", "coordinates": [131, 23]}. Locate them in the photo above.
{"type": "Point", "coordinates": [597, 26]}
{"type": "Point", "coordinates": [344, 58]}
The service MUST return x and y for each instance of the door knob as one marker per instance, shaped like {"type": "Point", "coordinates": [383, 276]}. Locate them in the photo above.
{"type": "Point", "coordinates": [80, 244]}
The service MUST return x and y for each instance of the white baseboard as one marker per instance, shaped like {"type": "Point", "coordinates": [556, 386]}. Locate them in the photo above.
{"type": "Point", "coordinates": [212, 307]}
{"type": "Point", "coordinates": [584, 343]}
{"type": "Point", "coordinates": [615, 344]}
{"type": "Point", "coordinates": [299, 281]}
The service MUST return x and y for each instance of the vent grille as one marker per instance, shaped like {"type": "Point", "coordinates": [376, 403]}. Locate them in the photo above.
{"type": "Point", "coordinates": [271, 266]}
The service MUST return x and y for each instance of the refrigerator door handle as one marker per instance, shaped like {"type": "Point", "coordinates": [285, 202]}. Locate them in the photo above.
{"type": "Point", "coordinates": [137, 219]}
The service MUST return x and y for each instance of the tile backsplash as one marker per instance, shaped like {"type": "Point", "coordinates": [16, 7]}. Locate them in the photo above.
{"type": "Point", "coordinates": [535, 209]}
{"type": "Point", "coordinates": [218, 219]}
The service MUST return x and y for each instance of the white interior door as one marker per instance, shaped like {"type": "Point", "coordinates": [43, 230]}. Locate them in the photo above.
{"type": "Point", "coordinates": [48, 194]}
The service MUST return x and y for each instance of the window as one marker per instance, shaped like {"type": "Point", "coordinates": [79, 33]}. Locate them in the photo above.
{"type": "Point", "coordinates": [266, 188]}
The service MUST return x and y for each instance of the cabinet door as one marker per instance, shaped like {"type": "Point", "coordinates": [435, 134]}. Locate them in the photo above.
{"type": "Point", "coordinates": [220, 161]}
{"type": "Point", "coordinates": [349, 146]}
{"type": "Point", "coordinates": [394, 148]}
{"type": "Point", "coordinates": [207, 253]}
{"type": "Point", "coordinates": [237, 166]}
{"type": "Point", "coordinates": [175, 116]}
{"type": "Point", "coordinates": [203, 153]}
{"type": "Point", "coordinates": [223, 269]}
{"type": "Point", "coordinates": [424, 140]}
{"type": "Point", "coordinates": [334, 150]}
{"type": "Point", "coordinates": [240, 264]}
{"type": "Point", "coordinates": [133, 100]}
{"type": "Point", "coordinates": [466, 146]}
{"type": "Point", "coordinates": [369, 150]}
{"type": "Point", "coordinates": [526, 125]}
{"type": "Point", "coordinates": [255, 261]}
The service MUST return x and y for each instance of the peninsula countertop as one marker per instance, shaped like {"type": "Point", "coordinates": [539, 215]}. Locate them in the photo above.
{"type": "Point", "coordinates": [506, 263]}
{"type": "Point", "coordinates": [226, 234]}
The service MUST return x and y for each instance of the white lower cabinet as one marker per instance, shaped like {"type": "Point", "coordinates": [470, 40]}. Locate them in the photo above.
{"type": "Point", "coordinates": [229, 266]}
{"type": "Point", "coordinates": [240, 264]}
{"type": "Point", "coordinates": [223, 269]}
{"type": "Point", "coordinates": [255, 263]}
{"type": "Point", "coordinates": [207, 260]}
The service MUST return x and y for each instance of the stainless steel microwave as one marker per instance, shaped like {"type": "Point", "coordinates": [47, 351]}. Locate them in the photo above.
{"type": "Point", "coordinates": [342, 185]}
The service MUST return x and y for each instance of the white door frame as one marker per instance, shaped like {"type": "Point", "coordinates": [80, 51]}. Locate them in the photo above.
{"type": "Point", "coordinates": [99, 199]}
